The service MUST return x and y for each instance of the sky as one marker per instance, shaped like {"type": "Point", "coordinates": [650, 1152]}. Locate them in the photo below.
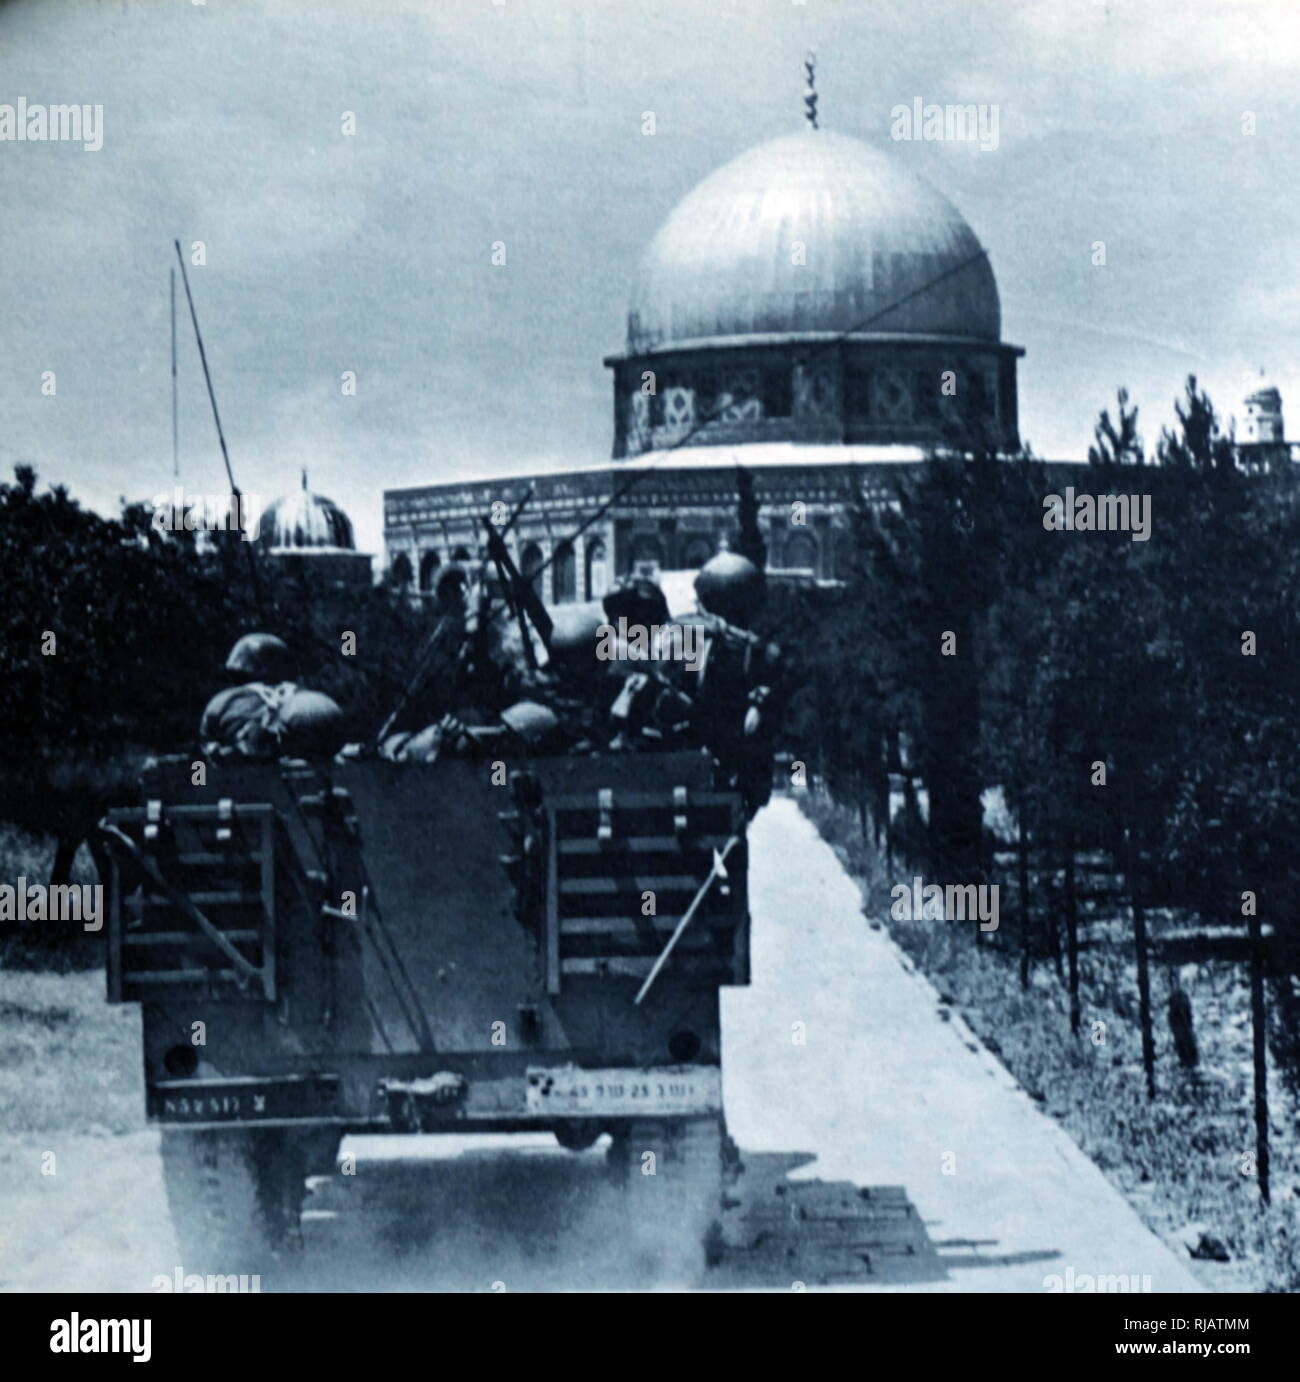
{"type": "Point", "coordinates": [522, 122]}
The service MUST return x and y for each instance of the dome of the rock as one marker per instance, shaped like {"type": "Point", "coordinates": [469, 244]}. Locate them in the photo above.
{"type": "Point", "coordinates": [812, 233]}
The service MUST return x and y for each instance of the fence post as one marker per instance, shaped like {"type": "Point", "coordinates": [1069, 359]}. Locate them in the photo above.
{"type": "Point", "coordinates": [1022, 878]}
{"type": "Point", "coordinates": [1259, 1033]}
{"type": "Point", "coordinates": [1143, 968]}
{"type": "Point", "coordinates": [1072, 932]}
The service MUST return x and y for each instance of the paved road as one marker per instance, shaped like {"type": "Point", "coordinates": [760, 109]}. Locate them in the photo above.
{"type": "Point", "coordinates": [844, 1136]}
{"type": "Point", "coordinates": [882, 1091]}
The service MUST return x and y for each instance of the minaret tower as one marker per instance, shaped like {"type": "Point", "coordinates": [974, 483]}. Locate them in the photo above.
{"type": "Point", "coordinates": [1262, 425]}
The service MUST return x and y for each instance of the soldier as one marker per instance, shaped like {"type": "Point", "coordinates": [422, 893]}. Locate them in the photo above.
{"type": "Point", "coordinates": [734, 694]}
{"type": "Point", "coordinates": [266, 714]}
{"type": "Point", "coordinates": [489, 670]}
{"type": "Point", "coordinates": [651, 710]}
{"type": "Point", "coordinates": [523, 728]}
{"type": "Point", "coordinates": [639, 600]}
{"type": "Point", "coordinates": [535, 728]}
{"type": "Point", "coordinates": [576, 684]}
{"type": "Point", "coordinates": [731, 588]}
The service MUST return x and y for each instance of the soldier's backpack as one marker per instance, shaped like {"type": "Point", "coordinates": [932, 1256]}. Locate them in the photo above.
{"type": "Point", "coordinates": [290, 722]}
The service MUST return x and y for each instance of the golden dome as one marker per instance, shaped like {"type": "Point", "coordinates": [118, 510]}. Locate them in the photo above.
{"type": "Point", "coordinates": [812, 233]}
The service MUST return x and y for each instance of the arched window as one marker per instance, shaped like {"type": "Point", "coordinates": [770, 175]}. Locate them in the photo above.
{"type": "Point", "coordinates": [530, 565]}
{"type": "Point", "coordinates": [647, 556]}
{"type": "Point", "coordinates": [698, 551]}
{"type": "Point", "coordinates": [776, 391]}
{"type": "Point", "coordinates": [451, 586]}
{"type": "Point", "coordinates": [597, 569]}
{"type": "Point", "coordinates": [564, 573]}
{"type": "Point", "coordinates": [801, 553]}
{"type": "Point", "coordinates": [400, 571]}
{"type": "Point", "coordinates": [840, 553]}
{"type": "Point", "coordinates": [429, 564]}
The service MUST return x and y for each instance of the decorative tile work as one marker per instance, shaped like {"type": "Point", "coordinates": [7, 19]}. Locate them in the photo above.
{"type": "Point", "coordinates": [816, 392]}
{"type": "Point", "coordinates": [739, 400]}
{"type": "Point", "coordinates": [638, 422]}
{"type": "Point", "coordinates": [891, 395]}
{"type": "Point", "coordinates": [679, 407]}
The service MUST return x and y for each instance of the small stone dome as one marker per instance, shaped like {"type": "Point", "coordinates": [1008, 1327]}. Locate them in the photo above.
{"type": "Point", "coordinates": [305, 521]}
{"type": "Point", "coordinates": [1262, 392]}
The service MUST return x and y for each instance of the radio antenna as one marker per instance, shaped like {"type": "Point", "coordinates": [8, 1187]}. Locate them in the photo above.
{"type": "Point", "coordinates": [176, 447]}
{"type": "Point", "coordinates": [221, 437]}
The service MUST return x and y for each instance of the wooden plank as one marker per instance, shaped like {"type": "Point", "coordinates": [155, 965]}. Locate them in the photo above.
{"type": "Point", "coordinates": [552, 907]}
{"type": "Point", "coordinates": [208, 812]}
{"type": "Point", "coordinates": [207, 859]}
{"type": "Point", "coordinates": [207, 899]}
{"type": "Point", "coordinates": [629, 966]}
{"type": "Point", "coordinates": [604, 926]}
{"type": "Point", "coordinates": [638, 966]}
{"type": "Point", "coordinates": [178, 976]}
{"type": "Point", "coordinates": [626, 926]}
{"type": "Point", "coordinates": [182, 937]}
{"type": "Point", "coordinates": [637, 801]}
{"type": "Point", "coordinates": [269, 931]}
{"type": "Point", "coordinates": [114, 960]}
{"type": "Point", "coordinates": [643, 844]}
{"type": "Point", "coordinates": [609, 887]}
{"type": "Point", "coordinates": [184, 903]}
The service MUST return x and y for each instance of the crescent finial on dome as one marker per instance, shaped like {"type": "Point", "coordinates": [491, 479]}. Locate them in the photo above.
{"type": "Point", "coordinates": [810, 91]}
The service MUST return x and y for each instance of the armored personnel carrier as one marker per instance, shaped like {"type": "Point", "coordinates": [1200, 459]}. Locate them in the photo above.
{"type": "Point", "coordinates": [458, 946]}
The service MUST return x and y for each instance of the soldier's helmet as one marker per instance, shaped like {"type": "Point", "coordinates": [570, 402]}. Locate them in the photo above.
{"type": "Point", "coordinates": [535, 724]}
{"type": "Point", "coordinates": [639, 601]}
{"type": "Point", "coordinates": [313, 725]}
{"type": "Point", "coordinates": [575, 637]}
{"type": "Point", "coordinates": [260, 657]}
{"type": "Point", "coordinates": [731, 587]}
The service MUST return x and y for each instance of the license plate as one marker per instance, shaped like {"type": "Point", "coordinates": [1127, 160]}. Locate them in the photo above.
{"type": "Point", "coordinates": [242, 1100]}
{"type": "Point", "coordinates": [667, 1091]}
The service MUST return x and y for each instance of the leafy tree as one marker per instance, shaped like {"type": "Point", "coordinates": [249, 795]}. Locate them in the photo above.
{"type": "Point", "coordinates": [1198, 443]}
{"type": "Point", "coordinates": [1118, 442]}
{"type": "Point", "coordinates": [114, 634]}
